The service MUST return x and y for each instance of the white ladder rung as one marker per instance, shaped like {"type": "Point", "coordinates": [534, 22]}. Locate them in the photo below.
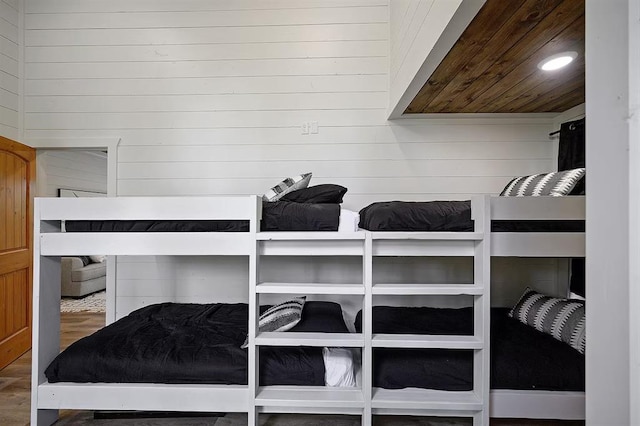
{"type": "Point", "coordinates": [426, 341]}
{"type": "Point", "coordinates": [351, 340]}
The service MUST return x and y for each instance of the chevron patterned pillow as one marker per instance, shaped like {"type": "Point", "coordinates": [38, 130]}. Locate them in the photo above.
{"type": "Point", "coordinates": [280, 317]}
{"type": "Point", "coordinates": [287, 185]}
{"type": "Point", "coordinates": [555, 184]}
{"type": "Point", "coordinates": [564, 319]}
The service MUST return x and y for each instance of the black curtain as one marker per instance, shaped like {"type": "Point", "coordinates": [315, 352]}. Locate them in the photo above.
{"type": "Point", "coordinates": [572, 149]}
{"type": "Point", "coordinates": [571, 155]}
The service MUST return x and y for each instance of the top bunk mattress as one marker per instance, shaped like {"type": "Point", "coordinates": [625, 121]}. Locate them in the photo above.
{"type": "Point", "coordinates": [193, 343]}
{"type": "Point", "coordinates": [447, 216]}
{"type": "Point", "coordinates": [276, 216]}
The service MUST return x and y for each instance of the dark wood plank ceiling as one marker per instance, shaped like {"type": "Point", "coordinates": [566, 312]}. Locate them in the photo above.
{"type": "Point", "coordinates": [493, 65]}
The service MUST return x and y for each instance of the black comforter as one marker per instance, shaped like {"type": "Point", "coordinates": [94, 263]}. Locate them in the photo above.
{"type": "Point", "coordinates": [276, 216]}
{"type": "Point", "coordinates": [521, 357]}
{"type": "Point", "coordinates": [192, 343]}
{"type": "Point", "coordinates": [452, 216]}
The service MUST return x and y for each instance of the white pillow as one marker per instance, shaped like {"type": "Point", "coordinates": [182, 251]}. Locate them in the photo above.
{"type": "Point", "coordinates": [97, 258]}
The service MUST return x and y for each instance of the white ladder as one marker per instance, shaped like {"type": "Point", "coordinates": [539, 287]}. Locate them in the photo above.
{"type": "Point", "coordinates": [474, 403]}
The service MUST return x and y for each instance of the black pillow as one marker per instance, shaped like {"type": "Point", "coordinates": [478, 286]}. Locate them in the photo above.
{"type": "Point", "coordinates": [326, 193]}
{"type": "Point", "coordinates": [85, 260]}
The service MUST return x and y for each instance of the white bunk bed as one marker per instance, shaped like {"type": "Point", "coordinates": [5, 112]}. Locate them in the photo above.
{"type": "Point", "coordinates": [538, 404]}
{"type": "Point", "coordinates": [50, 244]}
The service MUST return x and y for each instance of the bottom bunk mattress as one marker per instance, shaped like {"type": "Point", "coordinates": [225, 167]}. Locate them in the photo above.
{"type": "Point", "coordinates": [522, 358]}
{"type": "Point", "coordinates": [193, 343]}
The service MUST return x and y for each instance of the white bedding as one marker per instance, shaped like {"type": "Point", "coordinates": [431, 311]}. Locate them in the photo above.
{"type": "Point", "coordinates": [349, 220]}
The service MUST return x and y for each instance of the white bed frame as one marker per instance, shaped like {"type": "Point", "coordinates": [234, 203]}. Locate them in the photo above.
{"type": "Point", "coordinates": [50, 244]}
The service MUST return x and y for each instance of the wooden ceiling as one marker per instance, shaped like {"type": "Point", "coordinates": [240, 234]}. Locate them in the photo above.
{"type": "Point", "coordinates": [492, 68]}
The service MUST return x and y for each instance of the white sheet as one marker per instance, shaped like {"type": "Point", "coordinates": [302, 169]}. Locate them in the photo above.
{"type": "Point", "coordinates": [349, 220]}
{"type": "Point", "coordinates": [339, 367]}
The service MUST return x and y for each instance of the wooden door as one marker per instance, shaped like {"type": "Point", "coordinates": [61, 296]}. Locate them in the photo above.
{"type": "Point", "coordinates": [17, 175]}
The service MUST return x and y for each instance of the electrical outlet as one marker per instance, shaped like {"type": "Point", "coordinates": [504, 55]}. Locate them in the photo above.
{"type": "Point", "coordinates": [313, 127]}
{"type": "Point", "coordinates": [305, 128]}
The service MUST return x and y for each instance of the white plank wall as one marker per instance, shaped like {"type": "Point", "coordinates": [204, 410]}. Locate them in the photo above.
{"type": "Point", "coordinates": [415, 26]}
{"type": "Point", "coordinates": [9, 69]}
{"type": "Point", "coordinates": [71, 169]}
{"type": "Point", "coordinates": [209, 97]}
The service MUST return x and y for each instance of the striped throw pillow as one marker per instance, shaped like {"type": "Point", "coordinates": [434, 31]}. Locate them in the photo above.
{"type": "Point", "coordinates": [286, 186]}
{"type": "Point", "coordinates": [564, 319]}
{"type": "Point", "coordinates": [555, 184]}
{"type": "Point", "coordinates": [281, 317]}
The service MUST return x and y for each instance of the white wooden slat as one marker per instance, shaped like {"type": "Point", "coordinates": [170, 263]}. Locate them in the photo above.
{"type": "Point", "coordinates": [150, 208]}
{"type": "Point", "coordinates": [528, 244]}
{"type": "Point", "coordinates": [397, 13]}
{"type": "Point", "coordinates": [9, 129]}
{"type": "Point", "coordinates": [329, 171]}
{"type": "Point", "coordinates": [316, 396]}
{"type": "Point", "coordinates": [180, 36]}
{"type": "Point", "coordinates": [308, 288]}
{"type": "Point", "coordinates": [143, 396]}
{"type": "Point", "coordinates": [538, 208]}
{"type": "Point", "coordinates": [342, 340]}
{"type": "Point", "coordinates": [211, 86]}
{"type": "Point", "coordinates": [537, 404]}
{"type": "Point", "coordinates": [8, 116]}
{"type": "Point", "coordinates": [425, 399]}
{"type": "Point", "coordinates": [206, 289]}
{"type": "Point", "coordinates": [372, 134]}
{"type": "Point", "coordinates": [62, 6]}
{"type": "Point", "coordinates": [8, 48]}
{"type": "Point", "coordinates": [304, 237]}
{"type": "Point", "coordinates": [361, 185]}
{"type": "Point", "coordinates": [9, 26]}
{"type": "Point", "coordinates": [207, 52]}
{"type": "Point", "coordinates": [427, 289]}
{"type": "Point", "coordinates": [133, 243]}
{"type": "Point", "coordinates": [15, 4]}
{"type": "Point", "coordinates": [309, 247]}
{"type": "Point", "coordinates": [93, 162]}
{"type": "Point", "coordinates": [9, 100]}
{"type": "Point", "coordinates": [435, 131]}
{"type": "Point", "coordinates": [158, 268]}
{"type": "Point", "coordinates": [9, 11]}
{"type": "Point", "coordinates": [202, 103]}
{"type": "Point", "coordinates": [9, 66]}
{"type": "Point", "coordinates": [195, 69]}
{"type": "Point", "coordinates": [399, 26]}
{"type": "Point", "coordinates": [9, 82]}
{"type": "Point", "coordinates": [418, 341]}
{"type": "Point", "coordinates": [343, 151]}
{"type": "Point", "coordinates": [219, 18]}
{"type": "Point", "coordinates": [426, 236]}
{"type": "Point", "coordinates": [418, 248]}
{"type": "Point", "coordinates": [160, 120]}
{"type": "Point", "coordinates": [414, 19]}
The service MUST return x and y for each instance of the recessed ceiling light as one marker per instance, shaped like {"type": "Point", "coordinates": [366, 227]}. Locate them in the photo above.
{"type": "Point", "coordinates": [557, 61]}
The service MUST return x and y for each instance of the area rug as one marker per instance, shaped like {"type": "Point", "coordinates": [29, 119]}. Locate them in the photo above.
{"type": "Point", "coordinates": [95, 302]}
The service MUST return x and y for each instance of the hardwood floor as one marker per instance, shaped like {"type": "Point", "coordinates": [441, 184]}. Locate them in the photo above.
{"type": "Point", "coordinates": [15, 379]}
{"type": "Point", "coordinates": [15, 396]}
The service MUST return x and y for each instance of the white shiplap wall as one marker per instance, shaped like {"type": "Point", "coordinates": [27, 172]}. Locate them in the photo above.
{"type": "Point", "coordinates": [415, 27]}
{"type": "Point", "coordinates": [9, 68]}
{"type": "Point", "coordinates": [71, 169]}
{"type": "Point", "coordinates": [209, 96]}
